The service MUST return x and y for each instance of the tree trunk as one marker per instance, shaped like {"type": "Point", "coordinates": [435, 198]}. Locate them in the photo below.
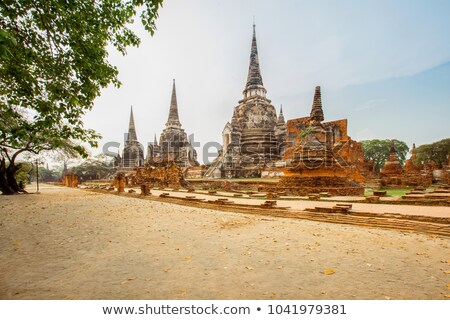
{"type": "Point", "coordinates": [5, 188]}
{"type": "Point", "coordinates": [11, 177]}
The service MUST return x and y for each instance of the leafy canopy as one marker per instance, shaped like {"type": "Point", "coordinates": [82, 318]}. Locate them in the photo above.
{"type": "Point", "coordinates": [53, 64]}
{"type": "Point", "coordinates": [437, 152]}
{"type": "Point", "coordinates": [378, 151]}
{"type": "Point", "coordinates": [94, 168]}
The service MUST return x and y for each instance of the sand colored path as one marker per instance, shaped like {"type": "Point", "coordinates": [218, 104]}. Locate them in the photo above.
{"type": "Point", "coordinates": [434, 211]}
{"type": "Point", "coordinates": [75, 244]}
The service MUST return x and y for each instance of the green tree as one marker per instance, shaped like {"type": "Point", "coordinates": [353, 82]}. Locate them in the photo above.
{"type": "Point", "coordinates": [94, 169]}
{"type": "Point", "coordinates": [53, 64]}
{"type": "Point", "coordinates": [23, 175]}
{"type": "Point", "coordinates": [437, 152]}
{"type": "Point", "coordinates": [48, 175]}
{"type": "Point", "coordinates": [378, 151]}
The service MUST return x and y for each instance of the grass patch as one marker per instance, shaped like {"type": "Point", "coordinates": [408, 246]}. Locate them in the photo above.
{"type": "Point", "coordinates": [391, 192]}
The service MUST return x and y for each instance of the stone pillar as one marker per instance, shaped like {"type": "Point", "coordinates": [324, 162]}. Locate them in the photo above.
{"type": "Point", "coordinates": [71, 180]}
{"type": "Point", "coordinates": [75, 181]}
{"type": "Point", "coordinates": [121, 183]}
{"type": "Point", "coordinates": [145, 190]}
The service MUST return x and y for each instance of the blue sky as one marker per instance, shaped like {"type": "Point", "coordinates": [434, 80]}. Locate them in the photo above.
{"type": "Point", "coordinates": [384, 65]}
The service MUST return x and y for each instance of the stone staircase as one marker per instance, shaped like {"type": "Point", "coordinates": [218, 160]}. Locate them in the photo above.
{"type": "Point", "coordinates": [216, 164]}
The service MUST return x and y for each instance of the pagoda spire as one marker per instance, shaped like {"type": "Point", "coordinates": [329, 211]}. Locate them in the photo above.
{"type": "Point", "coordinates": [281, 117]}
{"type": "Point", "coordinates": [254, 78]}
{"type": "Point", "coordinates": [316, 115]}
{"type": "Point", "coordinates": [131, 128]}
{"type": "Point", "coordinates": [234, 120]}
{"type": "Point", "coordinates": [173, 119]}
{"type": "Point", "coordinates": [392, 148]}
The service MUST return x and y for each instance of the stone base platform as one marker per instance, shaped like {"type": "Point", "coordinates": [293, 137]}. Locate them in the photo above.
{"type": "Point", "coordinates": [335, 186]}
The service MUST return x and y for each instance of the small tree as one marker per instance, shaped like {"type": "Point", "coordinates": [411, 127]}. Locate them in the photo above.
{"type": "Point", "coordinates": [378, 151]}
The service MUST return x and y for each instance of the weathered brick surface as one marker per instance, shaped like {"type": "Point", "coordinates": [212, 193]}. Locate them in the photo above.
{"type": "Point", "coordinates": [331, 184]}
{"type": "Point", "coordinates": [170, 176]}
{"type": "Point", "coordinates": [322, 158]}
{"type": "Point", "coordinates": [70, 180]}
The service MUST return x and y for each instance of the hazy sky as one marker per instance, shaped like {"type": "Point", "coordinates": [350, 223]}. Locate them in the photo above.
{"type": "Point", "coordinates": [384, 65]}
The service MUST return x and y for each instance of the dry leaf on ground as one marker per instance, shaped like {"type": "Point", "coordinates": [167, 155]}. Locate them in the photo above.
{"type": "Point", "coordinates": [328, 271]}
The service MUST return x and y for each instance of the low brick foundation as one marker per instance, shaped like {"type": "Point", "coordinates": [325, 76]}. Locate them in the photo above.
{"type": "Point", "coordinates": [335, 186]}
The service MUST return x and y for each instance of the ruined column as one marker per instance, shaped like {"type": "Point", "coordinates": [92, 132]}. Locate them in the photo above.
{"type": "Point", "coordinates": [145, 190]}
{"type": "Point", "coordinates": [121, 182]}
{"type": "Point", "coordinates": [75, 181]}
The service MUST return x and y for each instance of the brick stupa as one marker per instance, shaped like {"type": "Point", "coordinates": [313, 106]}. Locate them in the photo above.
{"type": "Point", "coordinates": [414, 174]}
{"type": "Point", "coordinates": [392, 166]}
{"type": "Point", "coordinates": [313, 166]}
{"type": "Point", "coordinates": [410, 165]}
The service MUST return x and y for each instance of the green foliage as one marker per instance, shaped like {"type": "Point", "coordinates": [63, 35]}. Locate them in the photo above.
{"type": "Point", "coordinates": [48, 175]}
{"type": "Point", "coordinates": [6, 41]}
{"type": "Point", "coordinates": [437, 152]}
{"type": "Point", "coordinates": [378, 151]}
{"type": "Point", "coordinates": [94, 169]}
{"type": "Point", "coordinates": [307, 131]}
{"type": "Point", "coordinates": [391, 192]}
{"type": "Point", "coordinates": [23, 174]}
{"type": "Point", "coordinates": [53, 64]}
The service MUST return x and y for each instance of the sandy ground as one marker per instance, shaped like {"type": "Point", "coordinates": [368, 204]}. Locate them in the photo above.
{"type": "Point", "coordinates": [74, 244]}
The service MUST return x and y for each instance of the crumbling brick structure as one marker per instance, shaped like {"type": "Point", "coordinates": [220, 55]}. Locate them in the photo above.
{"type": "Point", "coordinates": [169, 175]}
{"type": "Point", "coordinates": [412, 175]}
{"type": "Point", "coordinates": [70, 180]}
{"type": "Point", "coordinates": [321, 157]}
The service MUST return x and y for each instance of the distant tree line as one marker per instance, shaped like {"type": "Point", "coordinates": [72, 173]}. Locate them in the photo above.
{"type": "Point", "coordinates": [378, 151]}
{"type": "Point", "coordinates": [98, 168]}
{"type": "Point", "coordinates": [94, 169]}
{"type": "Point", "coordinates": [437, 152]}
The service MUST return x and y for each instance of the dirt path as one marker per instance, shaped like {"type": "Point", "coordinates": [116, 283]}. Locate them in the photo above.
{"type": "Point", "coordinates": [74, 244]}
{"type": "Point", "coordinates": [433, 211]}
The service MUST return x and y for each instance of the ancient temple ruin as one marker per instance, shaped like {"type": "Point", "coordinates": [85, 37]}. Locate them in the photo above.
{"type": "Point", "coordinates": [320, 156]}
{"type": "Point", "coordinates": [133, 153]}
{"type": "Point", "coordinates": [411, 175]}
{"type": "Point", "coordinates": [173, 146]}
{"type": "Point", "coordinates": [392, 167]}
{"type": "Point", "coordinates": [410, 165]}
{"type": "Point", "coordinates": [254, 138]}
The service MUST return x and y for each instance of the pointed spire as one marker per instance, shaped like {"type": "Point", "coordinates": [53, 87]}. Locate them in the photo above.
{"type": "Point", "coordinates": [392, 149]}
{"type": "Point", "coordinates": [155, 142]}
{"type": "Point", "coordinates": [254, 78]}
{"type": "Point", "coordinates": [234, 121]}
{"type": "Point", "coordinates": [316, 110]}
{"type": "Point", "coordinates": [173, 119]}
{"type": "Point", "coordinates": [131, 128]}
{"type": "Point", "coordinates": [413, 151]}
{"type": "Point", "coordinates": [280, 120]}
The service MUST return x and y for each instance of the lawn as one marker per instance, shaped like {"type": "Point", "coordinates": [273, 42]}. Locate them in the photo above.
{"type": "Point", "coordinates": [391, 192]}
